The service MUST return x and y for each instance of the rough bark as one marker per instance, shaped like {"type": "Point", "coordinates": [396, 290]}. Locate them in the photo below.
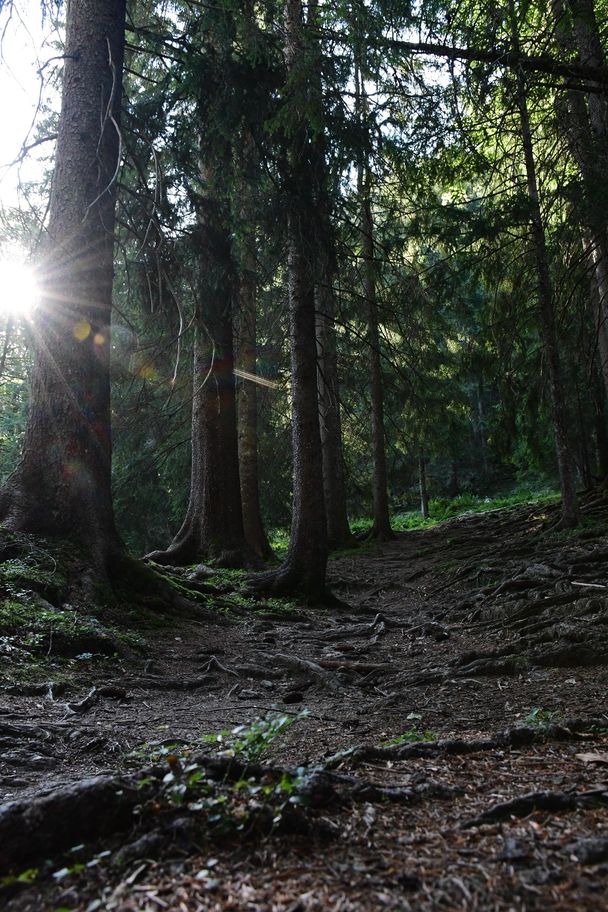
{"type": "Point", "coordinates": [36, 827]}
{"type": "Point", "coordinates": [213, 526]}
{"type": "Point", "coordinates": [62, 484]}
{"type": "Point", "coordinates": [586, 122]}
{"type": "Point", "coordinates": [570, 514]}
{"type": "Point", "coordinates": [247, 392]}
{"type": "Point", "coordinates": [304, 569]}
{"type": "Point", "coordinates": [334, 483]}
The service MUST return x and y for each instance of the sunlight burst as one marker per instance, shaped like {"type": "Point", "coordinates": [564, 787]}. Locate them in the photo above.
{"type": "Point", "coordinates": [19, 292]}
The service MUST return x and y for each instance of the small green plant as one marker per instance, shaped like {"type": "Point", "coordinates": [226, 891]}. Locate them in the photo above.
{"type": "Point", "coordinates": [279, 542]}
{"type": "Point", "coordinates": [541, 718]}
{"type": "Point", "coordinates": [25, 877]}
{"type": "Point", "coordinates": [260, 800]}
{"type": "Point", "coordinates": [250, 741]}
{"type": "Point", "coordinates": [411, 736]}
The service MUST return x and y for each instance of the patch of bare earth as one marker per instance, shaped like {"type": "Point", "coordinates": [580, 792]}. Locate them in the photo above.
{"type": "Point", "coordinates": [487, 636]}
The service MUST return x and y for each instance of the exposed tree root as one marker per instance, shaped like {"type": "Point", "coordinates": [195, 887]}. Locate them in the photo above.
{"type": "Point", "coordinates": [519, 737]}
{"type": "Point", "coordinates": [65, 817]}
{"type": "Point", "coordinates": [109, 805]}
{"type": "Point", "coordinates": [551, 802]}
{"type": "Point", "coordinates": [287, 582]}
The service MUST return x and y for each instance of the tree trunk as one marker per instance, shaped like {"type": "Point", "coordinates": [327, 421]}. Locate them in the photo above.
{"type": "Point", "coordinates": [247, 164]}
{"type": "Point", "coordinates": [586, 124]}
{"type": "Point", "coordinates": [569, 516]}
{"type": "Point", "coordinates": [213, 527]}
{"type": "Point", "coordinates": [247, 392]}
{"type": "Point", "coordinates": [381, 528]}
{"type": "Point", "coordinates": [424, 493]}
{"type": "Point", "coordinates": [453, 483]}
{"type": "Point", "coordinates": [601, 430]}
{"type": "Point", "coordinates": [62, 484]}
{"type": "Point", "coordinates": [304, 569]}
{"type": "Point", "coordinates": [584, 461]}
{"type": "Point", "coordinates": [481, 427]}
{"type": "Point", "coordinates": [334, 486]}
{"type": "Point", "coordinates": [599, 296]}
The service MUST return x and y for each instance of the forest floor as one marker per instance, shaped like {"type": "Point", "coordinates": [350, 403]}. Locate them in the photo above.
{"type": "Point", "coordinates": [449, 745]}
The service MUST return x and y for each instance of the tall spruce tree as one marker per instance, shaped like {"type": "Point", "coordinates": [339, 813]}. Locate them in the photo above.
{"type": "Point", "coordinates": [62, 486]}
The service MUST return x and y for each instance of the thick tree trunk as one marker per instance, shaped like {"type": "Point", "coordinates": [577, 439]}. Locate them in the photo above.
{"type": "Point", "coordinates": [304, 569]}
{"type": "Point", "coordinates": [565, 464]}
{"type": "Point", "coordinates": [247, 392]}
{"type": "Point", "coordinates": [213, 527]}
{"type": "Point", "coordinates": [595, 167]}
{"type": "Point", "coordinates": [62, 484]}
{"type": "Point", "coordinates": [586, 121]}
{"type": "Point", "coordinates": [308, 545]}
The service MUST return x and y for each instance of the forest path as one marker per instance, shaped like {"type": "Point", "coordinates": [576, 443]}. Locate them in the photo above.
{"type": "Point", "coordinates": [456, 633]}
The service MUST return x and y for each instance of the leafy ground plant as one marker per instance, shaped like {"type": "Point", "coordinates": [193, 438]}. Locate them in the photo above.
{"type": "Point", "coordinates": [250, 741]}
{"type": "Point", "coordinates": [541, 718]}
{"type": "Point", "coordinates": [227, 805]}
{"type": "Point", "coordinates": [411, 736]}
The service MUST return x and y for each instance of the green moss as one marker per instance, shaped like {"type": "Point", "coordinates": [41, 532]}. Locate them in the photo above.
{"type": "Point", "coordinates": [277, 608]}
{"type": "Point", "coordinates": [37, 572]}
{"type": "Point", "coordinates": [235, 580]}
{"type": "Point", "coordinates": [65, 631]}
{"type": "Point", "coordinates": [182, 588]}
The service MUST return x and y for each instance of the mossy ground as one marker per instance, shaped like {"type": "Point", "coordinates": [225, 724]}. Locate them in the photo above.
{"type": "Point", "coordinates": [40, 630]}
{"type": "Point", "coordinates": [43, 626]}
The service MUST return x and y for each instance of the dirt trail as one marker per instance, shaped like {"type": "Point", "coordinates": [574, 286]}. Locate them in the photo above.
{"type": "Point", "coordinates": [483, 624]}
